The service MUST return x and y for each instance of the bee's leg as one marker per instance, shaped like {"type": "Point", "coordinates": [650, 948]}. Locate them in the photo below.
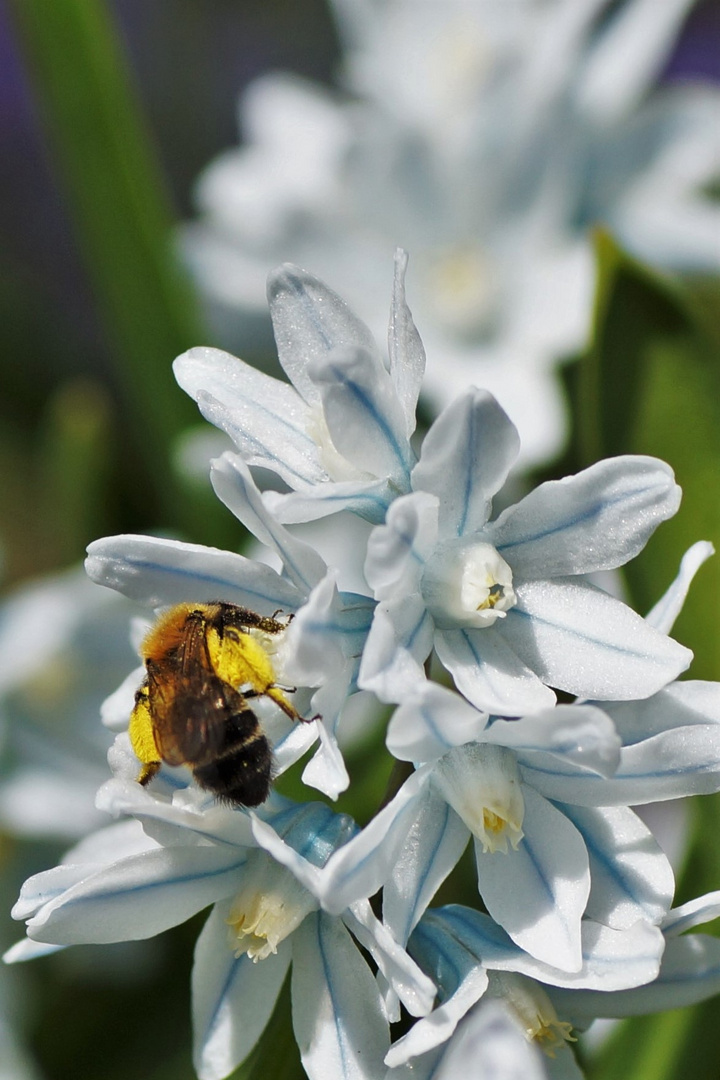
{"type": "Point", "coordinates": [149, 769]}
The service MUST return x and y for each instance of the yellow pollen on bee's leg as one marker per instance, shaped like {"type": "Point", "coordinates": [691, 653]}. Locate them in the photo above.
{"type": "Point", "coordinates": [142, 738]}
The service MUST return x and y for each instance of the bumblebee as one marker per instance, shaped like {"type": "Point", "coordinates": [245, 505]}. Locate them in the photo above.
{"type": "Point", "coordinates": [203, 664]}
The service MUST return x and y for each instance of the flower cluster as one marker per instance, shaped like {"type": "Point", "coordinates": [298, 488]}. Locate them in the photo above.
{"type": "Point", "coordinates": [470, 623]}
{"type": "Point", "coordinates": [488, 142]}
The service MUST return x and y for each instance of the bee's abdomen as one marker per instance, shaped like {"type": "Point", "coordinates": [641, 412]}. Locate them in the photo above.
{"type": "Point", "coordinates": [241, 771]}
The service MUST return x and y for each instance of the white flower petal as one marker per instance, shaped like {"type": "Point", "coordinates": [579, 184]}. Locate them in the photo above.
{"type": "Point", "coordinates": [694, 913]}
{"type": "Point", "coordinates": [631, 878]}
{"type": "Point", "coordinates": [363, 414]}
{"type": "Point", "coordinates": [438, 1027]}
{"type": "Point", "coordinates": [405, 349]}
{"type": "Point", "coordinates": [115, 709]}
{"type": "Point", "coordinates": [597, 520]}
{"type": "Point", "coordinates": [489, 673]}
{"type": "Point", "coordinates": [489, 1045]}
{"type": "Point", "coordinates": [689, 702]}
{"type": "Point", "coordinates": [362, 865]}
{"type": "Point", "coordinates": [628, 57]}
{"type": "Point", "coordinates": [582, 734]}
{"type": "Point", "coordinates": [214, 822]}
{"type": "Point", "coordinates": [326, 770]}
{"type": "Point", "coordinates": [28, 950]}
{"type": "Point", "coordinates": [309, 321]}
{"type": "Point", "coordinates": [234, 485]}
{"type": "Point", "coordinates": [397, 549]}
{"type": "Point", "coordinates": [140, 896]}
{"type": "Point", "coordinates": [232, 997]}
{"type": "Point", "coordinates": [305, 872]}
{"type": "Point", "coordinates": [161, 572]}
{"type": "Point", "coordinates": [48, 885]}
{"type": "Point", "coordinates": [612, 959]}
{"type": "Point", "coordinates": [581, 640]}
{"type": "Point", "coordinates": [670, 765]}
{"type": "Point", "coordinates": [465, 459]}
{"type": "Point", "coordinates": [367, 498]}
{"type": "Point", "coordinates": [107, 845]}
{"type": "Point", "coordinates": [400, 640]}
{"type": "Point", "coordinates": [413, 987]}
{"type": "Point", "coordinates": [338, 1017]}
{"type": "Point", "coordinates": [430, 721]}
{"type": "Point", "coordinates": [266, 419]}
{"type": "Point", "coordinates": [292, 746]}
{"type": "Point", "coordinates": [690, 972]}
{"type": "Point", "coordinates": [433, 846]}
{"type": "Point", "coordinates": [667, 609]}
{"type": "Point", "coordinates": [539, 891]}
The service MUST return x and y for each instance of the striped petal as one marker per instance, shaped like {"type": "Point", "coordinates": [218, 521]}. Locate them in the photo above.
{"type": "Point", "coordinates": [232, 997]}
{"type": "Point", "coordinates": [234, 485]}
{"type": "Point", "coordinates": [630, 875]}
{"type": "Point", "coordinates": [596, 520]}
{"type": "Point", "coordinates": [538, 892]}
{"type": "Point", "coordinates": [581, 640]}
{"type": "Point", "coordinates": [140, 896]}
{"type": "Point", "coordinates": [266, 419]}
{"type": "Point", "coordinates": [465, 459]}
{"type": "Point", "coordinates": [337, 1011]}
{"type": "Point", "coordinates": [160, 572]}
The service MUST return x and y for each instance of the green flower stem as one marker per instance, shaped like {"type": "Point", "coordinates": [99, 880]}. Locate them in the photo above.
{"type": "Point", "coordinates": [122, 217]}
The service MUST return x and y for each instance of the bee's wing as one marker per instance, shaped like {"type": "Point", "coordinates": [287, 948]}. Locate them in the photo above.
{"type": "Point", "coordinates": [191, 711]}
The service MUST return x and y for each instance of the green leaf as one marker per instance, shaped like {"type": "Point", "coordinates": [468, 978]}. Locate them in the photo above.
{"type": "Point", "coordinates": [122, 215]}
{"type": "Point", "coordinates": [650, 384]}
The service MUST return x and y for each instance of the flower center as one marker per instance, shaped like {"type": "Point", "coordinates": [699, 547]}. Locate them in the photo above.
{"type": "Point", "coordinates": [460, 288]}
{"type": "Point", "coordinates": [270, 905]}
{"type": "Point", "coordinates": [467, 584]}
{"type": "Point", "coordinates": [533, 1009]}
{"type": "Point", "coordinates": [482, 784]}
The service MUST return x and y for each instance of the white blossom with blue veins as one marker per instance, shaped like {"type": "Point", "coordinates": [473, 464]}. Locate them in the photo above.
{"type": "Point", "coordinates": [506, 603]}
{"type": "Point", "coordinates": [182, 851]}
{"type": "Point", "coordinates": [339, 436]}
{"type": "Point", "coordinates": [483, 983]}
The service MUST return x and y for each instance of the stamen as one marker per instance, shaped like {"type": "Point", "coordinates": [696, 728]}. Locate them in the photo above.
{"type": "Point", "coordinates": [482, 785]}
{"type": "Point", "coordinates": [467, 584]}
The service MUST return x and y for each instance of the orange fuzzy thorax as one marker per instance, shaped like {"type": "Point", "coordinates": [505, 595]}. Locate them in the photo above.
{"type": "Point", "coordinates": [168, 633]}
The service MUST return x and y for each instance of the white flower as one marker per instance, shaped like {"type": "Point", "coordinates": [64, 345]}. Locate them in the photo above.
{"type": "Point", "coordinates": [541, 865]}
{"type": "Point", "coordinates": [489, 142]}
{"type": "Point", "coordinates": [489, 996]}
{"type": "Point", "coordinates": [339, 437]}
{"type": "Point", "coordinates": [506, 603]}
{"type": "Point", "coordinates": [129, 882]}
{"type": "Point", "coordinates": [546, 799]}
{"type": "Point", "coordinates": [320, 648]}
{"type": "Point", "coordinates": [475, 965]}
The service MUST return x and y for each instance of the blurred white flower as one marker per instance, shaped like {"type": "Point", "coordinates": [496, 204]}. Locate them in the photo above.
{"type": "Point", "coordinates": [488, 139]}
{"type": "Point", "coordinates": [64, 646]}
